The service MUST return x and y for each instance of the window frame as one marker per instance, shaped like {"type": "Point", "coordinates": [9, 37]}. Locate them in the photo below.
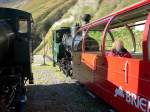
{"type": "Point", "coordinates": [87, 36]}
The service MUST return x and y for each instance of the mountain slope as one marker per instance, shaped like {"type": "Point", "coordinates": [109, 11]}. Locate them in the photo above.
{"type": "Point", "coordinates": [97, 8]}
{"type": "Point", "coordinates": [45, 14]}
{"type": "Point", "coordinates": [110, 6]}
{"type": "Point", "coordinates": [72, 16]}
{"type": "Point", "coordinates": [53, 14]}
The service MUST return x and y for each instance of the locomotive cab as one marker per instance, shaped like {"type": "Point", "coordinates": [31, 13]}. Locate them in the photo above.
{"type": "Point", "coordinates": [16, 31]}
{"type": "Point", "coordinates": [122, 82]}
{"type": "Point", "coordinates": [15, 58]}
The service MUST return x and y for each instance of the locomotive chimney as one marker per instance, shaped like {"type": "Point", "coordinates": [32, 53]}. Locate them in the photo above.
{"type": "Point", "coordinates": [86, 18]}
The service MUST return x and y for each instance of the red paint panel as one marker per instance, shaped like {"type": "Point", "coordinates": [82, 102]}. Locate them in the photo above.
{"type": "Point", "coordinates": [112, 75]}
{"type": "Point", "coordinates": [89, 59]}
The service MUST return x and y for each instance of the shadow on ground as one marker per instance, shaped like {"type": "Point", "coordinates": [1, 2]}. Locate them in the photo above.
{"type": "Point", "coordinates": [65, 97]}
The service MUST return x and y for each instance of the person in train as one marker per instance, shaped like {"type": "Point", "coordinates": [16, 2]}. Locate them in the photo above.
{"type": "Point", "coordinates": [119, 50]}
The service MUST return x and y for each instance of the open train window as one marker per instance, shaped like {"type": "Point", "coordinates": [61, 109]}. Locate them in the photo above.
{"type": "Point", "coordinates": [23, 26]}
{"type": "Point", "coordinates": [131, 35]}
{"type": "Point", "coordinates": [92, 41]}
{"type": "Point", "coordinates": [138, 30]}
{"type": "Point", "coordinates": [123, 34]}
{"type": "Point", "coordinates": [108, 42]}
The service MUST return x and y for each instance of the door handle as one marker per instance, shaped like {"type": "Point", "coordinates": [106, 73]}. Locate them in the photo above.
{"type": "Point", "coordinates": [126, 72]}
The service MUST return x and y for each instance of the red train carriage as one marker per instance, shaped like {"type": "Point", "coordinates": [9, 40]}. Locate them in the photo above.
{"type": "Point", "coordinates": [122, 82]}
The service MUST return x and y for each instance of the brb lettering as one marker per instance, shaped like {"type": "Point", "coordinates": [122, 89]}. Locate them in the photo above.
{"type": "Point", "coordinates": [131, 98]}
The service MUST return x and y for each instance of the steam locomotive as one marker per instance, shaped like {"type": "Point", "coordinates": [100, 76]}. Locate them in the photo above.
{"type": "Point", "coordinates": [67, 39]}
{"type": "Point", "coordinates": [15, 58]}
{"type": "Point", "coordinates": [62, 50]}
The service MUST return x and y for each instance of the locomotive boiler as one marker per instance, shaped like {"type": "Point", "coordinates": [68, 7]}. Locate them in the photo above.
{"type": "Point", "coordinates": [15, 58]}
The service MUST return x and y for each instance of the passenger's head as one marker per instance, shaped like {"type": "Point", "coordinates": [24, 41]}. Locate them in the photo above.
{"type": "Point", "coordinates": [118, 45]}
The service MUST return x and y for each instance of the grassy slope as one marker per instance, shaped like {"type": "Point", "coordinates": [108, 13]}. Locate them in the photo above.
{"type": "Point", "coordinates": [45, 13]}
{"type": "Point", "coordinates": [110, 6]}
{"type": "Point", "coordinates": [105, 7]}
{"type": "Point", "coordinates": [69, 18]}
{"type": "Point", "coordinates": [41, 8]}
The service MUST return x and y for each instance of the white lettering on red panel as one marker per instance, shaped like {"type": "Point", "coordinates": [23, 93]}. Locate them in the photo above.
{"type": "Point", "coordinates": [133, 99]}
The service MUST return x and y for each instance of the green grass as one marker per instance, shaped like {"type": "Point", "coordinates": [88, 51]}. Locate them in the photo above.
{"type": "Point", "coordinates": [39, 7]}
{"type": "Point", "coordinates": [95, 35]}
{"type": "Point", "coordinates": [49, 66]}
{"type": "Point", "coordinates": [41, 67]}
{"type": "Point", "coordinates": [110, 6]}
{"type": "Point", "coordinates": [106, 7]}
{"type": "Point", "coordinates": [56, 14]}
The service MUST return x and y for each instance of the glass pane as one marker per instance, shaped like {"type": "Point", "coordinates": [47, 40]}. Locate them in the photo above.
{"type": "Point", "coordinates": [23, 26]}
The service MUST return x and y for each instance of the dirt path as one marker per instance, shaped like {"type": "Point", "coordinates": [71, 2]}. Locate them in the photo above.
{"type": "Point", "coordinates": [50, 93]}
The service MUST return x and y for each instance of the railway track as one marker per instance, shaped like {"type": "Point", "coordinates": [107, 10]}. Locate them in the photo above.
{"type": "Point", "coordinates": [54, 93]}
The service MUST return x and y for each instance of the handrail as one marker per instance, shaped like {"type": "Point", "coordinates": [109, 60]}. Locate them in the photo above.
{"type": "Point", "coordinates": [104, 35]}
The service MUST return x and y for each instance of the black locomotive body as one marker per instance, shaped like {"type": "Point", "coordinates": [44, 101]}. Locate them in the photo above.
{"type": "Point", "coordinates": [15, 58]}
{"type": "Point", "coordinates": [62, 49]}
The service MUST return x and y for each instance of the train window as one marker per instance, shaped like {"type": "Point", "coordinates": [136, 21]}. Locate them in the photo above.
{"type": "Point", "coordinates": [58, 37]}
{"type": "Point", "coordinates": [138, 33]}
{"type": "Point", "coordinates": [23, 26]}
{"type": "Point", "coordinates": [123, 34]}
{"type": "Point", "coordinates": [132, 44]}
{"type": "Point", "coordinates": [92, 41]}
